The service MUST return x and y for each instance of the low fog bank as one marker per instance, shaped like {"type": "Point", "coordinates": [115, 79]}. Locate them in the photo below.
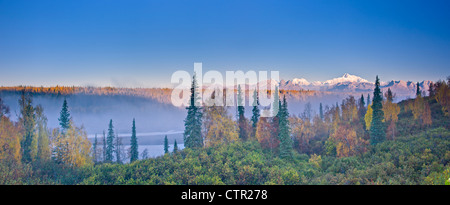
{"type": "Point", "coordinates": [156, 138]}
{"type": "Point", "coordinates": [95, 111]}
{"type": "Point", "coordinates": [154, 119]}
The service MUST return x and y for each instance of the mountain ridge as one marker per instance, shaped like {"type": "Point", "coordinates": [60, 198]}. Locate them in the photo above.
{"type": "Point", "coordinates": [353, 83]}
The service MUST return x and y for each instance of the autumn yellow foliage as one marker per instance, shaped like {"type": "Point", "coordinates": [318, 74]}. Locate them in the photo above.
{"type": "Point", "coordinates": [9, 141]}
{"type": "Point", "coordinates": [218, 127]}
{"type": "Point", "coordinates": [368, 116]}
{"type": "Point", "coordinates": [391, 111]}
{"type": "Point", "coordinates": [72, 148]}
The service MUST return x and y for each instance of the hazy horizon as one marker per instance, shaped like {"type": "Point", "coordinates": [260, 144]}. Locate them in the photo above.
{"type": "Point", "coordinates": [171, 86]}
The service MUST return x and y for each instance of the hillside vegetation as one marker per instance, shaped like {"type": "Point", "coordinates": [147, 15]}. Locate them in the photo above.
{"type": "Point", "coordinates": [421, 158]}
{"type": "Point", "coordinates": [335, 146]}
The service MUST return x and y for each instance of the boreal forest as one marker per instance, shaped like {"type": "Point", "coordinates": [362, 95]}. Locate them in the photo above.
{"type": "Point", "coordinates": [364, 139]}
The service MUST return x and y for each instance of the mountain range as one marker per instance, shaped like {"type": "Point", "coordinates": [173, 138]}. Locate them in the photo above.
{"type": "Point", "coordinates": [346, 84]}
{"type": "Point", "coordinates": [353, 83]}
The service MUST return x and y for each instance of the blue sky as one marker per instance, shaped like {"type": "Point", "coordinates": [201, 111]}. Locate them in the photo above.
{"type": "Point", "coordinates": [141, 43]}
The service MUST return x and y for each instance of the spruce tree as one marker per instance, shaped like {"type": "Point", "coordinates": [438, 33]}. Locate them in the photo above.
{"type": "Point", "coordinates": [431, 90]}
{"type": "Point", "coordinates": [284, 131]}
{"type": "Point", "coordinates": [118, 149]}
{"type": "Point", "coordinates": [276, 102]}
{"type": "Point", "coordinates": [418, 93]}
{"type": "Point", "coordinates": [166, 145]}
{"type": "Point", "coordinates": [362, 111]}
{"type": "Point", "coordinates": [94, 149]}
{"type": "Point", "coordinates": [368, 100]}
{"type": "Point", "coordinates": [64, 117]}
{"type": "Point", "coordinates": [193, 123]}
{"type": "Point", "coordinates": [134, 153]}
{"type": "Point", "coordinates": [104, 146]}
{"type": "Point", "coordinates": [175, 147]}
{"type": "Point", "coordinates": [110, 143]}
{"type": "Point", "coordinates": [275, 121]}
{"type": "Point", "coordinates": [255, 112]}
{"type": "Point", "coordinates": [27, 120]}
{"type": "Point", "coordinates": [362, 103]}
{"type": "Point", "coordinates": [321, 111]}
{"type": "Point", "coordinates": [377, 133]}
{"type": "Point", "coordinates": [389, 95]}
{"type": "Point", "coordinates": [242, 121]}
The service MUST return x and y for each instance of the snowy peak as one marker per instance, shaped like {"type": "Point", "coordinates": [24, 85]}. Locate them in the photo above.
{"type": "Point", "coordinates": [353, 83]}
{"type": "Point", "coordinates": [299, 81]}
{"type": "Point", "coordinates": [346, 83]}
{"type": "Point", "coordinates": [346, 78]}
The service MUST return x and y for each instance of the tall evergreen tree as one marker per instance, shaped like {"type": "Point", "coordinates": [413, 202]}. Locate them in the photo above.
{"type": "Point", "coordinates": [166, 145]}
{"type": "Point", "coordinates": [389, 95]}
{"type": "Point", "coordinates": [134, 153]}
{"type": "Point", "coordinates": [240, 101]}
{"type": "Point", "coordinates": [193, 123]}
{"type": "Point", "coordinates": [242, 121]}
{"type": "Point", "coordinates": [338, 111]}
{"type": "Point", "coordinates": [362, 104]}
{"type": "Point", "coordinates": [368, 100]}
{"type": "Point", "coordinates": [175, 147]}
{"type": "Point", "coordinates": [321, 111]}
{"type": "Point", "coordinates": [27, 120]}
{"type": "Point", "coordinates": [418, 92]}
{"type": "Point", "coordinates": [94, 149]}
{"type": "Point", "coordinates": [284, 131]}
{"type": "Point", "coordinates": [110, 143]}
{"type": "Point", "coordinates": [118, 148]}
{"type": "Point", "coordinates": [362, 111]}
{"type": "Point", "coordinates": [431, 90]}
{"type": "Point", "coordinates": [64, 117]}
{"type": "Point", "coordinates": [255, 112]}
{"type": "Point", "coordinates": [104, 146]}
{"type": "Point", "coordinates": [377, 133]}
{"type": "Point", "coordinates": [276, 102]}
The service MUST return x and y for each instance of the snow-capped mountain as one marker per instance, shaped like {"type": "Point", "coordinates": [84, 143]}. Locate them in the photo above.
{"type": "Point", "coordinates": [300, 81]}
{"type": "Point", "coordinates": [294, 84]}
{"type": "Point", "coordinates": [349, 84]}
{"type": "Point", "coordinates": [353, 83]}
{"type": "Point", "coordinates": [346, 78]}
